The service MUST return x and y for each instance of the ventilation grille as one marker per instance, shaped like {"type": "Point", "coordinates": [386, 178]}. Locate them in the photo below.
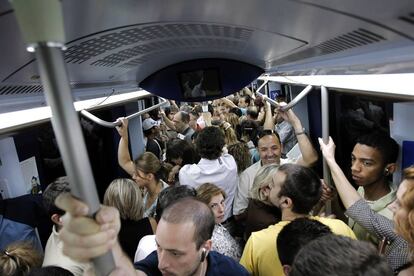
{"type": "Point", "coordinates": [174, 34]}
{"type": "Point", "coordinates": [186, 43]}
{"type": "Point", "coordinates": [20, 89]}
{"type": "Point", "coordinates": [354, 39]}
{"type": "Point", "coordinates": [409, 18]}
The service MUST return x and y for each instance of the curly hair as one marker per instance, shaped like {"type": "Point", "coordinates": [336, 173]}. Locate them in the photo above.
{"type": "Point", "coordinates": [210, 143]}
{"type": "Point", "coordinates": [405, 226]}
{"type": "Point", "coordinates": [241, 154]}
{"type": "Point", "coordinates": [230, 137]}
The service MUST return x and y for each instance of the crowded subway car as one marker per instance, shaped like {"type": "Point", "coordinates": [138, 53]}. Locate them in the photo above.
{"type": "Point", "coordinates": [206, 138]}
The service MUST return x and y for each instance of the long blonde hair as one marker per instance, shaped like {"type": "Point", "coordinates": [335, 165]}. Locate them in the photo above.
{"type": "Point", "coordinates": [262, 179]}
{"type": "Point", "coordinates": [125, 195]}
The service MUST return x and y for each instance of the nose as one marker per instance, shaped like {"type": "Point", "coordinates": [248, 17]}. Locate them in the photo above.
{"type": "Point", "coordinates": [222, 207]}
{"type": "Point", "coordinates": [162, 260]}
{"type": "Point", "coordinates": [355, 166]}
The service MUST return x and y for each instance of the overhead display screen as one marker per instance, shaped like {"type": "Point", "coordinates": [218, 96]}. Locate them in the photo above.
{"type": "Point", "coordinates": [200, 83]}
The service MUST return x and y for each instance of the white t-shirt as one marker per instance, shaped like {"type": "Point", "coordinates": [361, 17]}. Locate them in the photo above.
{"type": "Point", "coordinates": [54, 256]}
{"type": "Point", "coordinates": [146, 246]}
{"type": "Point", "coordinates": [221, 172]}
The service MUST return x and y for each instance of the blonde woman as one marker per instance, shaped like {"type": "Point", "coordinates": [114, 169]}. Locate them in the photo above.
{"type": "Point", "coordinates": [260, 211]}
{"type": "Point", "coordinates": [125, 195]}
{"type": "Point", "coordinates": [222, 241]}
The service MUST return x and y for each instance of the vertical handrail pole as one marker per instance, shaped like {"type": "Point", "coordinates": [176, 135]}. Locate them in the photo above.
{"type": "Point", "coordinates": [325, 138]}
{"type": "Point", "coordinates": [41, 23]}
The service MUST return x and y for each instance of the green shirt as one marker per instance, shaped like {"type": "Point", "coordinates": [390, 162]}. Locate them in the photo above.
{"type": "Point", "coordinates": [379, 206]}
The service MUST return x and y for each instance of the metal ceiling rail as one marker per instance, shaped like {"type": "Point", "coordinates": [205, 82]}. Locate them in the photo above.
{"type": "Point", "coordinates": [101, 122]}
{"type": "Point", "coordinates": [291, 104]}
{"type": "Point", "coordinates": [393, 86]}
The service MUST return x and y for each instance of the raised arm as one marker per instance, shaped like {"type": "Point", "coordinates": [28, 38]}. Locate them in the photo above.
{"type": "Point", "coordinates": [124, 158]}
{"type": "Point", "coordinates": [345, 190]}
{"type": "Point", "coordinates": [228, 102]}
{"type": "Point", "coordinates": [166, 120]}
{"type": "Point", "coordinates": [309, 154]}
{"type": "Point", "coordinates": [269, 122]}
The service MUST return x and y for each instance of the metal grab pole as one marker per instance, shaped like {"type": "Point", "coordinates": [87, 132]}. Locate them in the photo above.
{"type": "Point", "coordinates": [292, 103]}
{"type": "Point", "coordinates": [41, 23]}
{"type": "Point", "coordinates": [69, 136]}
{"type": "Point", "coordinates": [101, 122]}
{"type": "Point", "coordinates": [325, 138]}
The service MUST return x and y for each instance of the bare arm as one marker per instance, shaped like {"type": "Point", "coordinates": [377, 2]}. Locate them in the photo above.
{"type": "Point", "coordinates": [268, 123]}
{"type": "Point", "coordinates": [167, 121]}
{"type": "Point", "coordinates": [228, 102]}
{"type": "Point", "coordinates": [124, 158]}
{"type": "Point", "coordinates": [345, 190]}
{"type": "Point", "coordinates": [309, 154]}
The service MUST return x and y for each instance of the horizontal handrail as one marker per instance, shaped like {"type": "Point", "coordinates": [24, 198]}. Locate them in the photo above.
{"type": "Point", "coordinates": [292, 103]}
{"type": "Point", "coordinates": [101, 122]}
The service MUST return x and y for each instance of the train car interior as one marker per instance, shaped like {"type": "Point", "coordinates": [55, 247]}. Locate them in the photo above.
{"type": "Point", "coordinates": [79, 65]}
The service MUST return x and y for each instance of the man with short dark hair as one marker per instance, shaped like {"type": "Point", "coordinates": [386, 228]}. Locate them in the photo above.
{"type": "Point", "coordinates": [295, 190]}
{"type": "Point", "coordinates": [214, 166]}
{"type": "Point", "coordinates": [340, 256]}
{"type": "Point", "coordinates": [373, 161]}
{"type": "Point", "coordinates": [183, 240]}
{"type": "Point", "coordinates": [54, 248]}
{"type": "Point", "coordinates": [165, 198]}
{"type": "Point", "coordinates": [296, 235]}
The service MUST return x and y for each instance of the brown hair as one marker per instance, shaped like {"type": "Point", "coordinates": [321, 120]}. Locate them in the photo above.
{"type": "Point", "coordinates": [125, 195]}
{"type": "Point", "coordinates": [230, 137]}
{"type": "Point", "coordinates": [405, 227]}
{"type": "Point", "coordinates": [241, 154]}
{"type": "Point", "coordinates": [149, 163]}
{"type": "Point", "coordinates": [206, 191]}
{"type": "Point", "coordinates": [18, 258]}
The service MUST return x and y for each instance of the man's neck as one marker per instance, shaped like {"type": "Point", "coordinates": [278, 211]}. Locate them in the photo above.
{"type": "Point", "coordinates": [376, 190]}
{"type": "Point", "coordinates": [202, 269]}
{"type": "Point", "coordinates": [185, 129]}
{"type": "Point", "coordinates": [288, 215]}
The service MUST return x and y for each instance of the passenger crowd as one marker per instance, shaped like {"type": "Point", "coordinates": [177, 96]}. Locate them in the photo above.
{"type": "Point", "coordinates": [231, 191]}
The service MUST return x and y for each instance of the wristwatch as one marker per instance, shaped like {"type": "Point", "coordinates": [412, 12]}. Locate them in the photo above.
{"type": "Point", "coordinates": [300, 132]}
